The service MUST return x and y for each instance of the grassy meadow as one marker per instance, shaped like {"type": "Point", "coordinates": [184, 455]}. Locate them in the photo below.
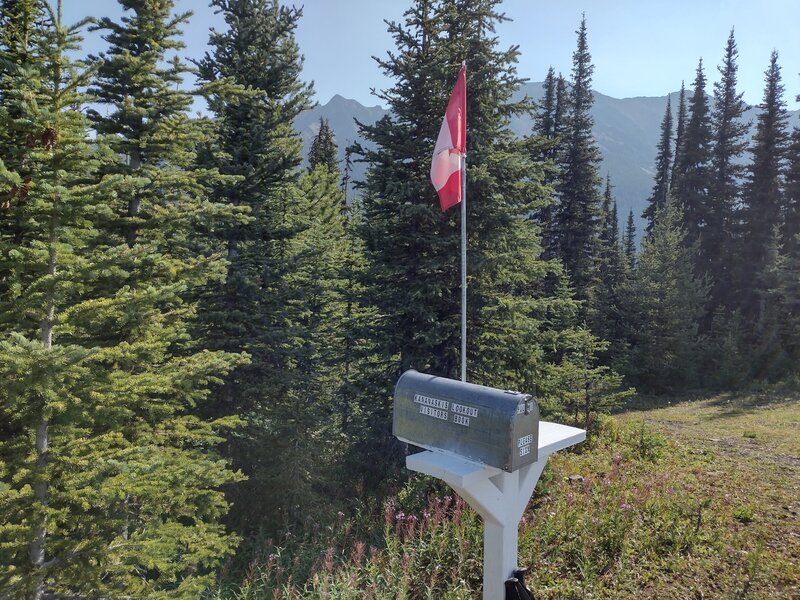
{"type": "Point", "coordinates": [682, 499]}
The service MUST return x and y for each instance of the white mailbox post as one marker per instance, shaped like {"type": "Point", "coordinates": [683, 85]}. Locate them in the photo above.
{"type": "Point", "coordinates": [497, 496]}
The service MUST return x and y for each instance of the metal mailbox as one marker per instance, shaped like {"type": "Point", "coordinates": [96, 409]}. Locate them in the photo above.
{"type": "Point", "coordinates": [495, 427]}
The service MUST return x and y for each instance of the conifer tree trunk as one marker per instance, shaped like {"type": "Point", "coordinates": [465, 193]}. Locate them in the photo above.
{"type": "Point", "coordinates": [135, 200]}
{"type": "Point", "coordinates": [41, 488]}
{"type": "Point", "coordinates": [37, 552]}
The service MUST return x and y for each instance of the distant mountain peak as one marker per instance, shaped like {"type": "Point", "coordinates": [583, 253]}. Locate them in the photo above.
{"type": "Point", "coordinates": [626, 131]}
{"type": "Point", "coordinates": [339, 100]}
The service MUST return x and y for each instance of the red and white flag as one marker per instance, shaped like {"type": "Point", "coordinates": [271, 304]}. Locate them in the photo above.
{"type": "Point", "coordinates": [451, 145]}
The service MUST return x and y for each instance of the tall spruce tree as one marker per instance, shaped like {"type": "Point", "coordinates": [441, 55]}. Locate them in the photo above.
{"type": "Point", "coordinates": [544, 123]}
{"type": "Point", "coordinates": [614, 235]}
{"type": "Point", "coordinates": [609, 222]}
{"type": "Point", "coordinates": [783, 300]}
{"type": "Point", "coordinates": [691, 179]}
{"type": "Point", "coordinates": [629, 241]}
{"type": "Point", "coordinates": [680, 133]}
{"type": "Point", "coordinates": [788, 264]}
{"type": "Point", "coordinates": [663, 167]}
{"type": "Point", "coordinates": [772, 334]}
{"type": "Point", "coordinates": [323, 148]}
{"type": "Point", "coordinates": [114, 489]}
{"type": "Point", "coordinates": [667, 301]}
{"type": "Point", "coordinates": [608, 318]}
{"type": "Point", "coordinates": [550, 232]}
{"type": "Point", "coordinates": [305, 427]}
{"type": "Point", "coordinates": [562, 106]}
{"type": "Point", "coordinates": [549, 127]}
{"type": "Point", "coordinates": [763, 196]}
{"type": "Point", "coordinates": [578, 210]}
{"type": "Point", "coordinates": [784, 293]}
{"type": "Point", "coordinates": [38, 208]}
{"type": "Point", "coordinates": [283, 301]}
{"type": "Point", "coordinates": [791, 199]}
{"type": "Point", "coordinates": [717, 246]}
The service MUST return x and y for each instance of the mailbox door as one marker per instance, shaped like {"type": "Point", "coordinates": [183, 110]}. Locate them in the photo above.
{"type": "Point", "coordinates": [525, 436]}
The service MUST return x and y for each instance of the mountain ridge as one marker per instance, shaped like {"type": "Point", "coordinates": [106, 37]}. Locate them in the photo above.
{"type": "Point", "coordinates": [626, 131]}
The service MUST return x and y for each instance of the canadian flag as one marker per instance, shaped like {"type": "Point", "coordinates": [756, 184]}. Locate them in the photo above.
{"type": "Point", "coordinates": [451, 145]}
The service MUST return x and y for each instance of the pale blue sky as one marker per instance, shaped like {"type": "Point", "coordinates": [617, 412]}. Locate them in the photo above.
{"type": "Point", "coordinates": [639, 47]}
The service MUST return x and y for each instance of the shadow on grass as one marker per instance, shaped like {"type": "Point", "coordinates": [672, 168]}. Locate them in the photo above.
{"type": "Point", "coordinates": [756, 398]}
{"type": "Point", "coordinates": [730, 403]}
{"type": "Point", "coordinates": [647, 402]}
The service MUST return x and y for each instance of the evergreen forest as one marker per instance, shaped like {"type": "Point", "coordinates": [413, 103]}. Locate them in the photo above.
{"type": "Point", "coordinates": [201, 328]}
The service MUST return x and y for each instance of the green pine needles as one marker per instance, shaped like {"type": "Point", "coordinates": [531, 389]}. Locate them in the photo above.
{"type": "Point", "coordinates": [110, 484]}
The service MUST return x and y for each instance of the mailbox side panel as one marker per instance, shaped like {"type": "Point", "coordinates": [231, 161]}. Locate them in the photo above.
{"type": "Point", "coordinates": [435, 420]}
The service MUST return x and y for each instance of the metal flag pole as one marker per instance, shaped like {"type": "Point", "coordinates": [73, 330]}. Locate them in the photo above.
{"type": "Point", "coordinates": [464, 267]}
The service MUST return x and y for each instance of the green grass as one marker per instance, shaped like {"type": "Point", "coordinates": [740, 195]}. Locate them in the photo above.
{"type": "Point", "coordinates": [771, 416]}
{"type": "Point", "coordinates": [692, 499]}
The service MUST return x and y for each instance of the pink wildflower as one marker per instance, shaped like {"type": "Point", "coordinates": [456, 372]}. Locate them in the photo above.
{"type": "Point", "coordinates": [388, 515]}
{"type": "Point", "coordinates": [358, 554]}
{"type": "Point", "coordinates": [327, 562]}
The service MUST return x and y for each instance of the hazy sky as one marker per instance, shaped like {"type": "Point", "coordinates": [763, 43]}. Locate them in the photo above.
{"type": "Point", "coordinates": [639, 47]}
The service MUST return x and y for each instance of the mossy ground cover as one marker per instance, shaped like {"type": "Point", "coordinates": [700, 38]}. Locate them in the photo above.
{"type": "Point", "coordinates": [691, 499]}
